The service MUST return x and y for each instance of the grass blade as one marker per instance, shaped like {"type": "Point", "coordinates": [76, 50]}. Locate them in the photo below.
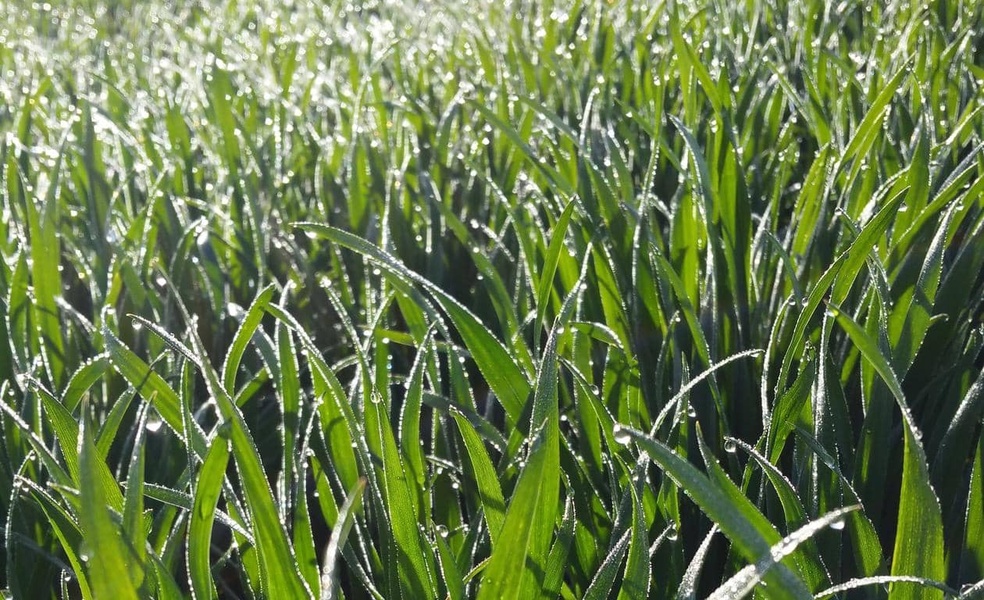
{"type": "Point", "coordinates": [919, 541]}
{"type": "Point", "coordinates": [208, 488]}
{"type": "Point", "coordinates": [744, 581]}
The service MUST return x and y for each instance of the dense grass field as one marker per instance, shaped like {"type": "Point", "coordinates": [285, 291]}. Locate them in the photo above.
{"type": "Point", "coordinates": [494, 299]}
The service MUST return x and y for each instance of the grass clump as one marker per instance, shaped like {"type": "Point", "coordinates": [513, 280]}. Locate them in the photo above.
{"type": "Point", "coordinates": [495, 300]}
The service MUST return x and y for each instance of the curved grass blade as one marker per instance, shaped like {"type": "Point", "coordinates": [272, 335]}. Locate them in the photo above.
{"type": "Point", "coordinates": [67, 531]}
{"type": "Point", "coordinates": [278, 565]}
{"type": "Point", "coordinates": [745, 580]}
{"type": "Point", "coordinates": [414, 557]}
{"type": "Point", "coordinates": [557, 560]}
{"type": "Point", "coordinates": [638, 572]}
{"type": "Point", "coordinates": [244, 334]}
{"type": "Point", "coordinates": [450, 574]}
{"type": "Point", "coordinates": [529, 520]}
{"type": "Point", "coordinates": [839, 276]}
{"type": "Point", "coordinates": [152, 387]}
{"type": "Point", "coordinates": [83, 379]}
{"type": "Point", "coordinates": [718, 506]}
{"type": "Point", "coordinates": [972, 592]}
{"type": "Point", "coordinates": [489, 490]}
{"type": "Point", "coordinates": [972, 556]}
{"type": "Point", "coordinates": [45, 249]}
{"type": "Point", "coordinates": [66, 430]}
{"type": "Point", "coordinates": [917, 585]}
{"type": "Point", "coordinates": [133, 503]}
{"type": "Point", "coordinates": [502, 372]}
{"type": "Point", "coordinates": [409, 434]}
{"type": "Point", "coordinates": [516, 567]}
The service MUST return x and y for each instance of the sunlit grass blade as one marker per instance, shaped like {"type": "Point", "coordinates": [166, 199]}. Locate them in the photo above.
{"type": "Point", "coordinates": [604, 578]}
{"type": "Point", "coordinates": [489, 490]}
{"type": "Point", "coordinates": [339, 536]}
{"type": "Point", "coordinates": [919, 541]}
{"type": "Point", "coordinates": [915, 585]}
{"type": "Point", "coordinates": [208, 489]}
{"type": "Point", "coordinates": [84, 378]}
{"type": "Point", "coordinates": [244, 334]}
{"type": "Point", "coordinates": [504, 376]}
{"type": "Point", "coordinates": [718, 506]}
{"type": "Point", "coordinates": [691, 577]}
{"type": "Point", "coordinates": [114, 572]}
{"type": "Point", "coordinates": [529, 521]}
{"type": "Point", "coordinates": [150, 385]}
{"type": "Point", "coordinates": [744, 581]}
{"type": "Point", "coordinates": [278, 565]}
{"type": "Point", "coordinates": [550, 267]}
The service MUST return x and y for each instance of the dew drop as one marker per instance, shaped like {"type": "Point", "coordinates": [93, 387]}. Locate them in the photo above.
{"type": "Point", "coordinates": [730, 446]}
{"type": "Point", "coordinates": [672, 534]}
{"type": "Point", "coordinates": [621, 435]}
{"type": "Point", "coordinates": [691, 412]}
{"type": "Point", "coordinates": [154, 424]}
{"type": "Point", "coordinates": [235, 311]}
{"type": "Point", "coordinates": [838, 525]}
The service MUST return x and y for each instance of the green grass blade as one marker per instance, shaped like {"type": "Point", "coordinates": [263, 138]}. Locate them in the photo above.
{"type": "Point", "coordinates": [718, 506]}
{"type": "Point", "coordinates": [550, 267]}
{"type": "Point", "coordinates": [637, 577]}
{"type": "Point", "coordinates": [557, 559]}
{"type": "Point", "coordinates": [516, 567]}
{"type": "Point", "coordinates": [972, 555]}
{"type": "Point", "coordinates": [83, 379]}
{"type": "Point", "coordinates": [339, 535]}
{"type": "Point", "coordinates": [489, 490]}
{"type": "Point", "coordinates": [501, 371]}
{"type": "Point", "coordinates": [277, 562]}
{"type": "Point", "coordinates": [113, 571]}
{"type": "Point", "coordinates": [208, 489]}
{"type": "Point", "coordinates": [744, 581]}
{"type": "Point", "coordinates": [691, 577]}
{"type": "Point", "coordinates": [67, 432]}
{"type": "Point", "coordinates": [244, 334]}
{"type": "Point", "coordinates": [916, 586]}
{"type": "Point", "coordinates": [148, 383]}
{"type": "Point", "coordinates": [133, 502]}
{"type": "Point", "coordinates": [414, 557]}
{"type": "Point", "coordinates": [604, 578]}
{"type": "Point", "coordinates": [919, 541]}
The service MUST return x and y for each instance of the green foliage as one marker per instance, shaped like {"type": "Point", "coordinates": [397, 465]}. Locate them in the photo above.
{"type": "Point", "coordinates": [500, 300]}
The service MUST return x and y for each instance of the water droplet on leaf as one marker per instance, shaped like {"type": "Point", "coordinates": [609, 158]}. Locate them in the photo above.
{"type": "Point", "coordinates": [621, 435]}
